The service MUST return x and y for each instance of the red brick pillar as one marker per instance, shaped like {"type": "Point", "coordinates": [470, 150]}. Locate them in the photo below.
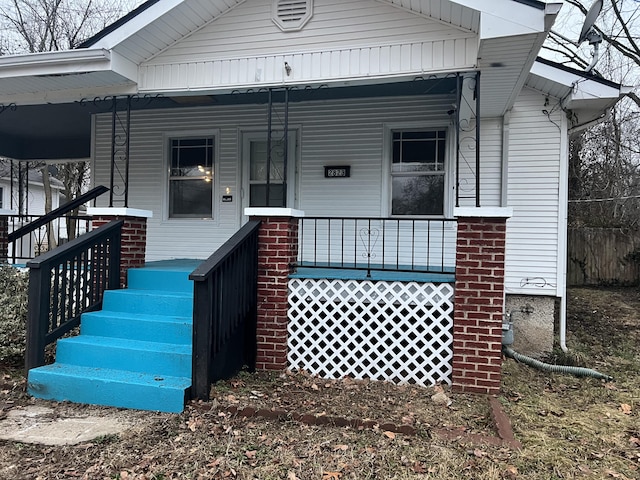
{"type": "Point", "coordinates": [277, 251]}
{"type": "Point", "coordinates": [479, 300]}
{"type": "Point", "coordinates": [134, 235]}
{"type": "Point", "coordinates": [4, 236]}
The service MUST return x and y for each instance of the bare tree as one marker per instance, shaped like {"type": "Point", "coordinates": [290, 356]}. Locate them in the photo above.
{"type": "Point", "coordinates": [619, 25]}
{"type": "Point", "coordinates": [31, 26]}
{"type": "Point", "coordinates": [47, 25]}
{"type": "Point", "coordinates": [604, 177]}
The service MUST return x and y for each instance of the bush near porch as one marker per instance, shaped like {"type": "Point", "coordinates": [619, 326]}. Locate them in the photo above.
{"type": "Point", "coordinates": [13, 314]}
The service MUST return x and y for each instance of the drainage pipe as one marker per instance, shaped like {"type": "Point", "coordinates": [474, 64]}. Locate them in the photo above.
{"type": "Point", "coordinates": [547, 367]}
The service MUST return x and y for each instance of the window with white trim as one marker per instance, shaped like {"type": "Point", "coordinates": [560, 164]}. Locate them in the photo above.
{"type": "Point", "coordinates": [191, 162]}
{"type": "Point", "coordinates": [418, 172]}
{"type": "Point", "coordinates": [1, 197]}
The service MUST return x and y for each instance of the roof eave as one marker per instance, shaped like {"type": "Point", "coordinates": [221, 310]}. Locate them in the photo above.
{"type": "Point", "coordinates": [587, 96]}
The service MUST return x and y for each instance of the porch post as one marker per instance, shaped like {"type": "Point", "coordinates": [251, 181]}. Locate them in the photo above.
{"type": "Point", "coordinates": [4, 234]}
{"type": "Point", "coordinates": [134, 234]}
{"type": "Point", "coordinates": [479, 299]}
{"type": "Point", "coordinates": [277, 251]}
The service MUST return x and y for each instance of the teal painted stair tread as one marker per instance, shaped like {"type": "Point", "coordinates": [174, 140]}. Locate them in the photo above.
{"type": "Point", "coordinates": [124, 354]}
{"type": "Point", "coordinates": [109, 387]}
{"type": "Point", "coordinates": [138, 326]}
{"type": "Point", "coordinates": [159, 280]}
{"type": "Point", "coordinates": [149, 302]}
{"type": "Point", "coordinates": [135, 352]}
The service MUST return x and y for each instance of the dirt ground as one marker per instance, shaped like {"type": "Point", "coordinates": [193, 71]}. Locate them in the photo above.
{"type": "Point", "coordinates": [569, 427]}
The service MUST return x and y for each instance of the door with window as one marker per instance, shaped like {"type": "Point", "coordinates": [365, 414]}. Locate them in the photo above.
{"type": "Point", "coordinates": [278, 189]}
{"type": "Point", "coordinates": [418, 172]}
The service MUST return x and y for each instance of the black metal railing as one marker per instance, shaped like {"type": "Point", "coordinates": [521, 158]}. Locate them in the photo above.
{"type": "Point", "coordinates": [225, 310]}
{"type": "Point", "coordinates": [372, 244]}
{"type": "Point", "coordinates": [29, 235]}
{"type": "Point", "coordinates": [68, 281]}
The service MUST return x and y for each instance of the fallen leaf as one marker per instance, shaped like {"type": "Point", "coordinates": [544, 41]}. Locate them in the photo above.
{"type": "Point", "coordinates": [390, 435]}
{"type": "Point", "coordinates": [343, 448]}
{"type": "Point", "coordinates": [613, 473]}
{"type": "Point", "coordinates": [635, 441]}
{"type": "Point", "coordinates": [479, 453]}
{"type": "Point", "coordinates": [292, 476]}
{"type": "Point", "coordinates": [511, 472]}
{"type": "Point", "coordinates": [331, 475]}
{"type": "Point", "coordinates": [419, 468]}
{"type": "Point", "coordinates": [250, 454]}
{"type": "Point", "coordinates": [625, 408]}
{"type": "Point", "coordinates": [315, 387]}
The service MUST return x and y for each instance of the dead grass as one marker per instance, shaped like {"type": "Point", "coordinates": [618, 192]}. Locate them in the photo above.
{"type": "Point", "coordinates": [570, 428]}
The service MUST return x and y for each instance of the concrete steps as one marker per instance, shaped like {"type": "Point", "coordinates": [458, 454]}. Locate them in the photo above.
{"type": "Point", "coordinates": [135, 353]}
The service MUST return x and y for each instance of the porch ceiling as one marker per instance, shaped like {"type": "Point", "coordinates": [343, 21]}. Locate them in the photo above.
{"type": "Point", "coordinates": [63, 130]}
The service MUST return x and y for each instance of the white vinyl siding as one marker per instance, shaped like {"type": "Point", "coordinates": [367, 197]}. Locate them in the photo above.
{"type": "Point", "coordinates": [533, 192]}
{"type": "Point", "coordinates": [338, 132]}
{"type": "Point", "coordinates": [490, 165]}
{"type": "Point", "coordinates": [344, 39]}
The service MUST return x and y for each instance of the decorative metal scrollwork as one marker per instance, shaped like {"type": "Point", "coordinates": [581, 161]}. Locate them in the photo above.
{"type": "Point", "coordinates": [467, 122]}
{"type": "Point", "coordinates": [120, 108]}
{"type": "Point", "coordinates": [11, 107]}
{"type": "Point", "coordinates": [369, 238]}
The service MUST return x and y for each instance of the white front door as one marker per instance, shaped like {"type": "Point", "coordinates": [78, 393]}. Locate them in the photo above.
{"type": "Point", "coordinates": [279, 190]}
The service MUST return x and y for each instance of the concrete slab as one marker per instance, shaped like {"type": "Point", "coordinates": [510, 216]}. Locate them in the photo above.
{"type": "Point", "coordinates": [39, 424]}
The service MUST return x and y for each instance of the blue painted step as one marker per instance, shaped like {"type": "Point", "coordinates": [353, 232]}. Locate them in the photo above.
{"type": "Point", "coordinates": [149, 302]}
{"type": "Point", "coordinates": [135, 352]}
{"type": "Point", "coordinates": [99, 386]}
{"type": "Point", "coordinates": [124, 354]}
{"type": "Point", "coordinates": [138, 326]}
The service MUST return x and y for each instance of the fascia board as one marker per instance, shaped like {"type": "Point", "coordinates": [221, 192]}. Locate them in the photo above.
{"type": "Point", "coordinates": [501, 18]}
{"type": "Point", "coordinates": [55, 63]}
{"type": "Point", "coordinates": [123, 66]}
{"type": "Point", "coordinates": [578, 87]}
{"type": "Point", "coordinates": [137, 23]}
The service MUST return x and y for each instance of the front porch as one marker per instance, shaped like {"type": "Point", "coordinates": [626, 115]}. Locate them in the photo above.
{"type": "Point", "coordinates": [405, 325]}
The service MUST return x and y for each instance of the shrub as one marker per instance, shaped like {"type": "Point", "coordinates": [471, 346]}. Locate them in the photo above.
{"type": "Point", "coordinates": [13, 314]}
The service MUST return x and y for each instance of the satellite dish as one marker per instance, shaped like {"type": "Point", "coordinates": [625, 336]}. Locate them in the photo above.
{"type": "Point", "coordinates": [590, 33]}
{"type": "Point", "coordinates": [589, 21]}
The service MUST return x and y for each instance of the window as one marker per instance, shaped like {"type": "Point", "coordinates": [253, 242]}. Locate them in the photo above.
{"type": "Point", "coordinates": [258, 174]}
{"type": "Point", "coordinates": [1, 197]}
{"type": "Point", "coordinates": [417, 172]}
{"type": "Point", "coordinates": [191, 177]}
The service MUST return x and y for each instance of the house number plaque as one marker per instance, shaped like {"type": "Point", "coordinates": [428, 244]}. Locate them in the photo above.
{"type": "Point", "coordinates": [343, 171]}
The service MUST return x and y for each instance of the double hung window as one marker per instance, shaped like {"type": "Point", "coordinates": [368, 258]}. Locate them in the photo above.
{"type": "Point", "coordinates": [418, 172]}
{"type": "Point", "coordinates": [191, 177]}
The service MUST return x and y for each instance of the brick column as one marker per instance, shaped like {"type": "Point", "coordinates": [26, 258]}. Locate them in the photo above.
{"type": "Point", "coordinates": [479, 299]}
{"type": "Point", "coordinates": [277, 251]}
{"type": "Point", "coordinates": [134, 235]}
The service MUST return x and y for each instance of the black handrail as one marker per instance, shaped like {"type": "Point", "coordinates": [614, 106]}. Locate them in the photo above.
{"type": "Point", "coordinates": [68, 281]}
{"type": "Point", "coordinates": [225, 305]}
{"type": "Point", "coordinates": [57, 213]}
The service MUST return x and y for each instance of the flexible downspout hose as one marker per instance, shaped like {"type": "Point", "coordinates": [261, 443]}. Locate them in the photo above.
{"type": "Point", "coordinates": [547, 367]}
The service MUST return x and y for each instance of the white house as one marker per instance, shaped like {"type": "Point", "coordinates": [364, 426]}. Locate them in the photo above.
{"type": "Point", "coordinates": [417, 111]}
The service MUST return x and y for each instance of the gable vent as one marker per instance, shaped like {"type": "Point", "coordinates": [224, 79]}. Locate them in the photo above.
{"type": "Point", "coordinates": [292, 15]}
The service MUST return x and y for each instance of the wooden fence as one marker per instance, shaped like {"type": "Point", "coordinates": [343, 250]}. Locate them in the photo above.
{"type": "Point", "coordinates": [603, 256]}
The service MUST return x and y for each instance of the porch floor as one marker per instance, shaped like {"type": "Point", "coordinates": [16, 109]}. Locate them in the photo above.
{"type": "Point", "coordinates": [332, 273]}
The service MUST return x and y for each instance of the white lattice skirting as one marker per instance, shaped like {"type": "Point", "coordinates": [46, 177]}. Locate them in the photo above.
{"type": "Point", "coordinates": [396, 331]}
